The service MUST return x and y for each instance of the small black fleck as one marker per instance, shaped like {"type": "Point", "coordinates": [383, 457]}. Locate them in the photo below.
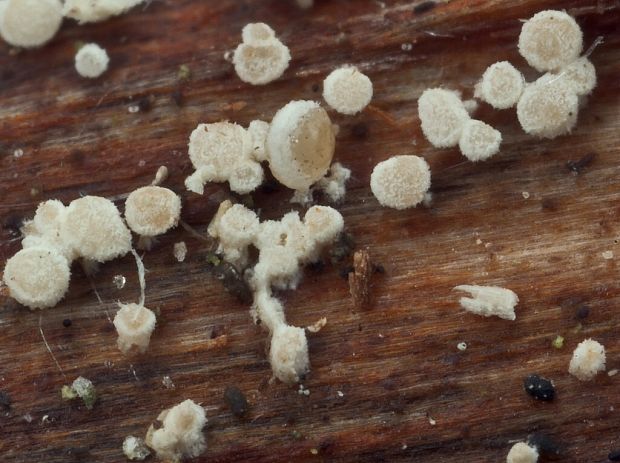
{"type": "Point", "coordinates": [424, 7]}
{"type": "Point", "coordinates": [5, 400]}
{"type": "Point", "coordinates": [582, 312]}
{"type": "Point", "coordinates": [547, 447]}
{"type": "Point", "coordinates": [177, 97]}
{"type": "Point", "coordinates": [233, 282]}
{"type": "Point", "coordinates": [67, 322]}
{"type": "Point", "coordinates": [342, 248]}
{"type": "Point", "coordinates": [360, 130]}
{"type": "Point", "coordinates": [378, 268]}
{"type": "Point", "coordinates": [13, 223]}
{"type": "Point", "coordinates": [146, 103]}
{"type": "Point", "coordinates": [614, 455]}
{"type": "Point", "coordinates": [236, 401]}
{"type": "Point", "coordinates": [344, 272]}
{"type": "Point", "coordinates": [549, 204]}
{"type": "Point", "coordinates": [577, 166]}
{"type": "Point", "coordinates": [538, 387]}
{"type": "Point", "coordinates": [316, 87]}
{"type": "Point", "coordinates": [79, 453]}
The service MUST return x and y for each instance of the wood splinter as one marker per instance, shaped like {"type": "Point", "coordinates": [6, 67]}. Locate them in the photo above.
{"type": "Point", "coordinates": [359, 278]}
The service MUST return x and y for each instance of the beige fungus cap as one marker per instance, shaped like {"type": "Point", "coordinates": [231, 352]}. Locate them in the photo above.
{"type": "Point", "coordinates": [347, 90]}
{"type": "Point", "coordinates": [442, 115]}
{"type": "Point", "coordinates": [401, 181]}
{"type": "Point", "coordinates": [152, 210]}
{"type": "Point", "coordinates": [29, 23]}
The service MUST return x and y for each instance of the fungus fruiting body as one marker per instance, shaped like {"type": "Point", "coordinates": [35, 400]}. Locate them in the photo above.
{"type": "Point", "coordinates": [224, 152]}
{"type": "Point", "coordinates": [550, 39]}
{"type": "Point", "coordinates": [588, 360]}
{"type": "Point", "coordinates": [91, 61]}
{"type": "Point", "coordinates": [37, 277]}
{"type": "Point", "coordinates": [347, 90]}
{"type": "Point", "coordinates": [29, 23]}
{"type": "Point", "coordinates": [479, 141]}
{"type": "Point", "coordinates": [300, 144]}
{"type": "Point", "coordinates": [501, 85]}
{"type": "Point", "coordinates": [178, 433]}
{"type": "Point", "coordinates": [548, 107]}
{"type": "Point", "coordinates": [88, 11]}
{"type": "Point", "coordinates": [401, 182]}
{"type": "Point", "coordinates": [151, 211]}
{"type": "Point", "coordinates": [580, 75]}
{"type": "Point", "coordinates": [522, 453]}
{"type": "Point", "coordinates": [489, 301]}
{"type": "Point", "coordinates": [134, 324]}
{"type": "Point", "coordinates": [333, 185]}
{"type": "Point", "coordinates": [135, 448]}
{"type": "Point", "coordinates": [442, 115]}
{"type": "Point", "coordinates": [261, 57]}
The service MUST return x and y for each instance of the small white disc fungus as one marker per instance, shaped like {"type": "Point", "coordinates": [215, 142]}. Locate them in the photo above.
{"type": "Point", "coordinates": [300, 144]}
{"type": "Point", "coordinates": [548, 107]}
{"type": "Point", "coordinates": [134, 324]}
{"type": "Point", "coordinates": [91, 61]}
{"type": "Point", "coordinates": [522, 453]}
{"type": "Point", "coordinates": [236, 229]}
{"type": "Point", "coordinates": [152, 210]}
{"type": "Point", "coordinates": [180, 435]}
{"type": "Point", "coordinates": [347, 90]}
{"type": "Point", "coordinates": [442, 115]}
{"type": "Point", "coordinates": [261, 58]}
{"type": "Point", "coordinates": [45, 229]}
{"type": "Point", "coordinates": [479, 141]}
{"type": "Point", "coordinates": [588, 359]}
{"type": "Point", "coordinates": [29, 23]}
{"type": "Point", "coordinates": [223, 152]}
{"type": "Point", "coordinates": [501, 85]}
{"type": "Point", "coordinates": [401, 182]}
{"type": "Point", "coordinates": [580, 75]}
{"type": "Point", "coordinates": [37, 277]}
{"type": "Point", "coordinates": [489, 301]}
{"type": "Point", "coordinates": [288, 353]}
{"type": "Point", "coordinates": [88, 11]}
{"type": "Point", "coordinates": [550, 39]}
{"type": "Point", "coordinates": [94, 227]}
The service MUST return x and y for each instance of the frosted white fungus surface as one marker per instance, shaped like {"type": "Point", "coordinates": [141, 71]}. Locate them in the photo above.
{"type": "Point", "coordinates": [401, 182]}
{"type": "Point", "coordinates": [588, 359]}
{"type": "Point", "coordinates": [347, 90]}
{"type": "Point", "coordinates": [29, 23]}
{"type": "Point", "coordinates": [501, 85]}
{"type": "Point", "coordinates": [88, 11]}
{"type": "Point", "coordinates": [152, 210]}
{"type": "Point", "coordinates": [479, 141]}
{"type": "Point", "coordinates": [91, 61]}
{"type": "Point", "coordinates": [522, 453]}
{"type": "Point", "coordinates": [134, 324]}
{"type": "Point", "coordinates": [442, 115]}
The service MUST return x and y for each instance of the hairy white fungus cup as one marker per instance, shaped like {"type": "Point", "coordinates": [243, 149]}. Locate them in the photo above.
{"type": "Point", "coordinates": [580, 75]}
{"type": "Point", "coordinates": [223, 152]}
{"type": "Point", "coordinates": [347, 90]}
{"type": "Point", "coordinates": [489, 300]}
{"type": "Point", "coordinates": [135, 448]}
{"type": "Point", "coordinates": [95, 229]}
{"type": "Point", "coordinates": [180, 435]}
{"type": "Point", "coordinates": [151, 211]}
{"type": "Point", "coordinates": [333, 184]}
{"type": "Point", "coordinates": [261, 57]}
{"type": "Point", "coordinates": [37, 277]}
{"type": "Point", "coordinates": [88, 11]}
{"type": "Point", "coordinates": [258, 132]}
{"type": "Point", "coordinates": [300, 144]}
{"type": "Point", "coordinates": [91, 61]}
{"type": "Point", "coordinates": [236, 229]}
{"type": "Point", "coordinates": [288, 353]}
{"type": "Point", "coordinates": [548, 107]}
{"type": "Point", "coordinates": [550, 39]}
{"type": "Point", "coordinates": [522, 453]}
{"type": "Point", "coordinates": [588, 359]}
{"type": "Point", "coordinates": [401, 182]}
{"type": "Point", "coordinates": [134, 324]}
{"type": "Point", "coordinates": [479, 141]}
{"type": "Point", "coordinates": [501, 85]}
{"type": "Point", "coordinates": [442, 116]}
{"type": "Point", "coordinates": [29, 23]}
{"type": "Point", "coordinates": [45, 229]}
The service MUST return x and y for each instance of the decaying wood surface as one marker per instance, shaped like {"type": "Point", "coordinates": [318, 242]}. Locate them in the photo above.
{"type": "Point", "coordinates": [380, 376]}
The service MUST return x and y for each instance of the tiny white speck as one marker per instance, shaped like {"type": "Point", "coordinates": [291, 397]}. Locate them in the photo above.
{"type": "Point", "coordinates": [28, 418]}
{"type": "Point", "coordinates": [306, 392]}
{"type": "Point", "coordinates": [133, 109]}
{"type": "Point", "coordinates": [381, 336]}
{"type": "Point", "coordinates": [607, 255]}
{"type": "Point", "coordinates": [18, 153]}
{"type": "Point", "coordinates": [525, 194]}
{"type": "Point", "coordinates": [340, 394]}
{"type": "Point", "coordinates": [142, 163]}
{"type": "Point", "coordinates": [406, 47]}
{"type": "Point", "coordinates": [119, 281]}
{"type": "Point", "coordinates": [613, 372]}
{"type": "Point", "coordinates": [478, 241]}
{"type": "Point", "coordinates": [461, 346]}
{"type": "Point", "coordinates": [404, 447]}
{"type": "Point", "coordinates": [431, 421]}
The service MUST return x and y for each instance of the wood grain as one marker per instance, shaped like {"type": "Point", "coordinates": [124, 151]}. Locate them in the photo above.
{"type": "Point", "coordinates": [395, 363]}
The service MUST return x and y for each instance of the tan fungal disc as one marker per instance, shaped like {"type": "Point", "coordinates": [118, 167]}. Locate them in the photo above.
{"type": "Point", "coordinates": [501, 85]}
{"type": "Point", "coordinates": [347, 90]}
{"type": "Point", "coordinates": [152, 210]}
{"type": "Point", "coordinates": [401, 182]}
{"type": "Point", "coordinates": [29, 23]}
{"type": "Point", "coordinates": [479, 141]}
{"type": "Point", "coordinates": [442, 116]}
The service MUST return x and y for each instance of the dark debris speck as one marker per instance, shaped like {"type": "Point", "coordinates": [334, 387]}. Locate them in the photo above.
{"type": "Point", "coordinates": [5, 400]}
{"type": "Point", "coordinates": [67, 322]}
{"type": "Point", "coordinates": [614, 455]}
{"type": "Point", "coordinates": [424, 7]}
{"type": "Point", "coordinates": [577, 166]}
{"type": "Point", "coordinates": [538, 387]}
{"type": "Point", "coordinates": [547, 447]}
{"type": "Point", "coordinates": [582, 312]}
{"type": "Point", "coordinates": [360, 130]}
{"type": "Point", "coordinates": [236, 401]}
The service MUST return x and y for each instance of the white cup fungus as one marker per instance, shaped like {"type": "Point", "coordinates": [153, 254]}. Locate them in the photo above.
{"type": "Point", "coordinates": [347, 90]}
{"type": "Point", "coordinates": [261, 57]}
{"type": "Point", "coordinates": [89, 11]}
{"type": "Point", "coordinates": [548, 107]}
{"type": "Point", "coordinates": [91, 61]}
{"type": "Point", "coordinates": [29, 23]}
{"type": "Point", "coordinates": [588, 360]}
{"type": "Point", "coordinates": [580, 75]}
{"type": "Point", "coordinates": [37, 277]}
{"type": "Point", "coordinates": [501, 85]}
{"type": "Point", "coordinates": [522, 453]}
{"type": "Point", "coordinates": [550, 39]}
{"type": "Point", "coordinates": [95, 229]}
{"type": "Point", "coordinates": [151, 211]}
{"type": "Point", "coordinates": [401, 182]}
{"type": "Point", "coordinates": [45, 229]}
{"type": "Point", "coordinates": [288, 353]}
{"type": "Point", "coordinates": [134, 325]}
{"type": "Point", "coordinates": [442, 115]}
{"type": "Point", "coordinates": [479, 141]}
{"type": "Point", "coordinates": [300, 144]}
{"type": "Point", "coordinates": [489, 301]}
{"type": "Point", "coordinates": [180, 433]}
{"type": "Point", "coordinates": [224, 152]}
